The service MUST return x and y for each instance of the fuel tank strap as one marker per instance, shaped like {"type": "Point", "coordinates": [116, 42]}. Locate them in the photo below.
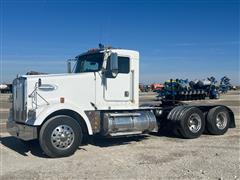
{"type": "Point", "coordinates": [123, 114]}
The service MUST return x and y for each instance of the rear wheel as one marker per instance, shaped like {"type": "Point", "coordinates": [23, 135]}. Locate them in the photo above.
{"type": "Point", "coordinates": [191, 123]}
{"type": "Point", "coordinates": [218, 120]}
{"type": "Point", "coordinates": [60, 136]}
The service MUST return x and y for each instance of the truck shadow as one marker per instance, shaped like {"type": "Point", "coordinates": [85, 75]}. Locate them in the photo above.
{"type": "Point", "coordinates": [124, 140]}
{"type": "Point", "coordinates": [34, 148]}
{"type": "Point", "coordinates": [116, 141]}
{"type": "Point", "coordinates": [166, 133]}
{"type": "Point", "coordinates": [22, 148]}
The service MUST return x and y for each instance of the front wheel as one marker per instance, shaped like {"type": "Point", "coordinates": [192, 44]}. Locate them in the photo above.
{"type": "Point", "coordinates": [60, 136]}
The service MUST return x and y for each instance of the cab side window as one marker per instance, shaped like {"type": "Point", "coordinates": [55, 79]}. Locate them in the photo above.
{"type": "Point", "coordinates": [123, 65]}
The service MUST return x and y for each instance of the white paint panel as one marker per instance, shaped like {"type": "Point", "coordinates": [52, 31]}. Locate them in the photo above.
{"type": "Point", "coordinates": [115, 89]}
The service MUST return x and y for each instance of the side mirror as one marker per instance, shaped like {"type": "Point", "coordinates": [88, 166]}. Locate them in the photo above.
{"type": "Point", "coordinates": [113, 68]}
{"type": "Point", "coordinates": [69, 68]}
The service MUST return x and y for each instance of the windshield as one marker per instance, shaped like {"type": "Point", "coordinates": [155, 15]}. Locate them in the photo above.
{"type": "Point", "coordinates": [89, 63]}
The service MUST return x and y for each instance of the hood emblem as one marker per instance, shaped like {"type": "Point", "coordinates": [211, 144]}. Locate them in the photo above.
{"type": "Point", "coordinates": [47, 87]}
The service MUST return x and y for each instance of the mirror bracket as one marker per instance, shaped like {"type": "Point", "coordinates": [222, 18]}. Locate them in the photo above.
{"type": "Point", "coordinates": [69, 65]}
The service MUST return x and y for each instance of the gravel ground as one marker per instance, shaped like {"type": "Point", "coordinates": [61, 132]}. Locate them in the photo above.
{"type": "Point", "coordinates": [139, 157]}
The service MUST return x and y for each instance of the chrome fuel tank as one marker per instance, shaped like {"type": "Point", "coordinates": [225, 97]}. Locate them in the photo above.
{"type": "Point", "coordinates": [139, 121]}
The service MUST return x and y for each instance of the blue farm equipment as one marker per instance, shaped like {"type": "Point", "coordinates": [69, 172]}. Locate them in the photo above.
{"type": "Point", "coordinates": [225, 84]}
{"type": "Point", "coordinates": [180, 89]}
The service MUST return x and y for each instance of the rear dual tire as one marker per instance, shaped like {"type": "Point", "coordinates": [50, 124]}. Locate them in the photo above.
{"type": "Point", "coordinates": [187, 121]}
{"type": "Point", "coordinates": [218, 120]}
{"type": "Point", "coordinates": [190, 122]}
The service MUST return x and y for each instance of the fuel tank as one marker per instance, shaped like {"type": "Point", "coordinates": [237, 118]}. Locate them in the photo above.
{"type": "Point", "coordinates": [124, 122]}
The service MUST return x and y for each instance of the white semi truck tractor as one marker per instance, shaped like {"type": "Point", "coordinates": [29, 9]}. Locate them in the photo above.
{"type": "Point", "coordinates": [100, 96]}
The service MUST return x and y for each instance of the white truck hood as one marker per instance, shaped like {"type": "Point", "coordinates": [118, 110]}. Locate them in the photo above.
{"type": "Point", "coordinates": [73, 88]}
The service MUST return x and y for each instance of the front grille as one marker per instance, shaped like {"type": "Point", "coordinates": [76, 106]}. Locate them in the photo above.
{"type": "Point", "coordinates": [19, 99]}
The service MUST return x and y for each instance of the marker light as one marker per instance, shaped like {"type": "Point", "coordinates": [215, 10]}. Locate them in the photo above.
{"type": "Point", "coordinates": [62, 99]}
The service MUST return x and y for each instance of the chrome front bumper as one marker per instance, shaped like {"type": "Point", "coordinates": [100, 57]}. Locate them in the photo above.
{"type": "Point", "coordinates": [21, 131]}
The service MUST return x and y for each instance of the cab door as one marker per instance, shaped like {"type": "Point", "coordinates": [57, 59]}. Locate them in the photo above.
{"type": "Point", "coordinates": [118, 89]}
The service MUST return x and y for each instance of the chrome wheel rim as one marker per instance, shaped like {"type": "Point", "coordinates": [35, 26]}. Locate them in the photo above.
{"type": "Point", "coordinates": [62, 137]}
{"type": "Point", "coordinates": [194, 123]}
{"type": "Point", "coordinates": [221, 120]}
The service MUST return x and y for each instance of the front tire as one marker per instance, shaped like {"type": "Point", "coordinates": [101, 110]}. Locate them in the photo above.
{"type": "Point", "coordinates": [60, 136]}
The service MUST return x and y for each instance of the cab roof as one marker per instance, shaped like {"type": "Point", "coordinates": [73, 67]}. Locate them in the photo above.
{"type": "Point", "coordinates": [132, 53]}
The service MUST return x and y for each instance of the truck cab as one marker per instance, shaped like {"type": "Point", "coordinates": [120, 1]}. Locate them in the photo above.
{"type": "Point", "coordinates": [114, 74]}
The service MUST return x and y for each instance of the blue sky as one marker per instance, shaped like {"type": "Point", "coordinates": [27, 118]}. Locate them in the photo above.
{"type": "Point", "coordinates": [176, 39]}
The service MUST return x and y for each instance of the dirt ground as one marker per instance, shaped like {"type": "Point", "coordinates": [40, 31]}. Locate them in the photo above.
{"type": "Point", "coordinates": [140, 157]}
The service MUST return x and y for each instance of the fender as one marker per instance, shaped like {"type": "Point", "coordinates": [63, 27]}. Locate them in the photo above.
{"type": "Point", "coordinates": [48, 110]}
